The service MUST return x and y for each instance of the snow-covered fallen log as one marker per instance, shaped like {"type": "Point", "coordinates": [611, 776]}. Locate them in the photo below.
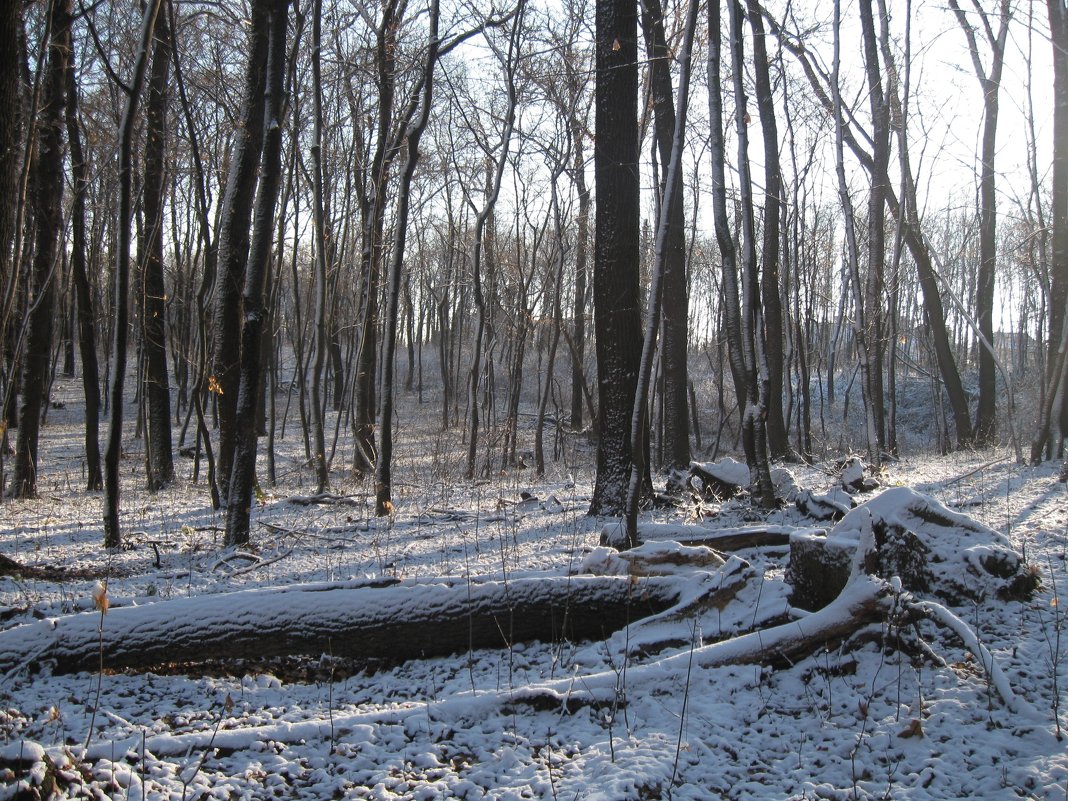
{"type": "Point", "coordinates": [404, 620]}
{"type": "Point", "coordinates": [865, 600]}
{"type": "Point", "coordinates": [934, 550]}
{"type": "Point", "coordinates": [721, 539]}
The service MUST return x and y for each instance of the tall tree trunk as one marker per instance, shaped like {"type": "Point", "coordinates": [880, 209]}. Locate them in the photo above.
{"type": "Point", "coordinates": [874, 296]}
{"type": "Point", "coordinates": [374, 216]}
{"type": "Point", "coordinates": [778, 436]}
{"type": "Point", "coordinates": [582, 238]}
{"type": "Point", "coordinates": [639, 423]}
{"type": "Point", "coordinates": [860, 330]}
{"type": "Point", "coordinates": [754, 344]}
{"type": "Point", "coordinates": [233, 245]}
{"type": "Point", "coordinates": [414, 132]}
{"type": "Point", "coordinates": [730, 304]}
{"type": "Point", "coordinates": [159, 461]}
{"type": "Point", "coordinates": [985, 415]}
{"type": "Point", "coordinates": [243, 476]}
{"type": "Point", "coordinates": [676, 332]}
{"type": "Point", "coordinates": [48, 223]}
{"type": "Point", "coordinates": [322, 478]}
{"type": "Point", "coordinates": [83, 290]}
{"type": "Point", "coordinates": [11, 149]}
{"type": "Point", "coordinates": [1053, 425]}
{"type": "Point", "coordinates": [120, 307]}
{"type": "Point", "coordinates": [617, 258]}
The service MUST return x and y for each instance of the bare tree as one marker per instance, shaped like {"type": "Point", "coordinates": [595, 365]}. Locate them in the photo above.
{"type": "Point", "coordinates": [239, 508]}
{"type": "Point", "coordinates": [990, 82]}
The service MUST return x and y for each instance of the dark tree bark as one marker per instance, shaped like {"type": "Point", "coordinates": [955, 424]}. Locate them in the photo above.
{"type": "Point", "coordinates": [875, 282]}
{"type": "Point", "coordinates": [675, 336]}
{"type": "Point", "coordinates": [732, 321]}
{"type": "Point", "coordinates": [10, 140]}
{"type": "Point", "coordinates": [243, 474]}
{"type": "Point", "coordinates": [159, 460]}
{"type": "Point", "coordinates": [985, 415]}
{"type": "Point", "coordinates": [233, 245]}
{"type": "Point", "coordinates": [778, 436]}
{"type": "Point", "coordinates": [1057, 330]}
{"type": "Point", "coordinates": [413, 134]}
{"type": "Point", "coordinates": [47, 203]}
{"type": "Point", "coordinates": [361, 620]}
{"type": "Point", "coordinates": [639, 424]}
{"type": "Point", "coordinates": [373, 210]}
{"type": "Point", "coordinates": [83, 290]}
{"type": "Point", "coordinates": [322, 477]}
{"type": "Point", "coordinates": [616, 269]}
{"type": "Point", "coordinates": [120, 306]}
{"type": "Point", "coordinates": [582, 238]}
{"type": "Point", "coordinates": [754, 346]}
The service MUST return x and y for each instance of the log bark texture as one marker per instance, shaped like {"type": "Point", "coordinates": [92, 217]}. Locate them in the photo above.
{"type": "Point", "coordinates": [404, 620]}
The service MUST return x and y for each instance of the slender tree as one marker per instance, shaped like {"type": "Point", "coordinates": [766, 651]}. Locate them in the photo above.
{"type": "Point", "coordinates": [120, 306]}
{"type": "Point", "coordinates": [639, 424]}
{"type": "Point", "coordinates": [242, 480]}
{"type": "Point", "coordinates": [990, 82]}
{"type": "Point", "coordinates": [770, 283]}
{"type": "Point", "coordinates": [754, 342]}
{"type": "Point", "coordinates": [413, 135]}
{"type": "Point", "coordinates": [322, 477]}
{"type": "Point", "coordinates": [80, 277]}
{"type": "Point", "coordinates": [676, 323]}
{"type": "Point", "coordinates": [233, 244]}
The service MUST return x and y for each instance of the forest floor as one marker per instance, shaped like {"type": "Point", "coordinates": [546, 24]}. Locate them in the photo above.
{"type": "Point", "coordinates": [861, 719]}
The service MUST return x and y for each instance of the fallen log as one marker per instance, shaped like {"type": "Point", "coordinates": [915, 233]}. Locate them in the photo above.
{"type": "Point", "coordinates": [933, 549]}
{"type": "Point", "coordinates": [723, 539]}
{"type": "Point", "coordinates": [403, 620]}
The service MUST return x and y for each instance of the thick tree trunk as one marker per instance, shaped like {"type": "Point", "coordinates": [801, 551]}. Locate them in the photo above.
{"type": "Point", "coordinates": [48, 224]}
{"type": "Point", "coordinates": [233, 241]}
{"type": "Point", "coordinates": [616, 278]}
{"type": "Point", "coordinates": [159, 461]}
{"type": "Point", "coordinates": [392, 621]}
{"type": "Point", "coordinates": [243, 474]}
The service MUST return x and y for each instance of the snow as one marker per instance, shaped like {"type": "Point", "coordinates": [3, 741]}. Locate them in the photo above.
{"type": "Point", "coordinates": [960, 706]}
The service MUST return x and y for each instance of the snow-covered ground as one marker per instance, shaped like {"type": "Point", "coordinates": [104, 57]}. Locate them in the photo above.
{"type": "Point", "coordinates": [866, 719]}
